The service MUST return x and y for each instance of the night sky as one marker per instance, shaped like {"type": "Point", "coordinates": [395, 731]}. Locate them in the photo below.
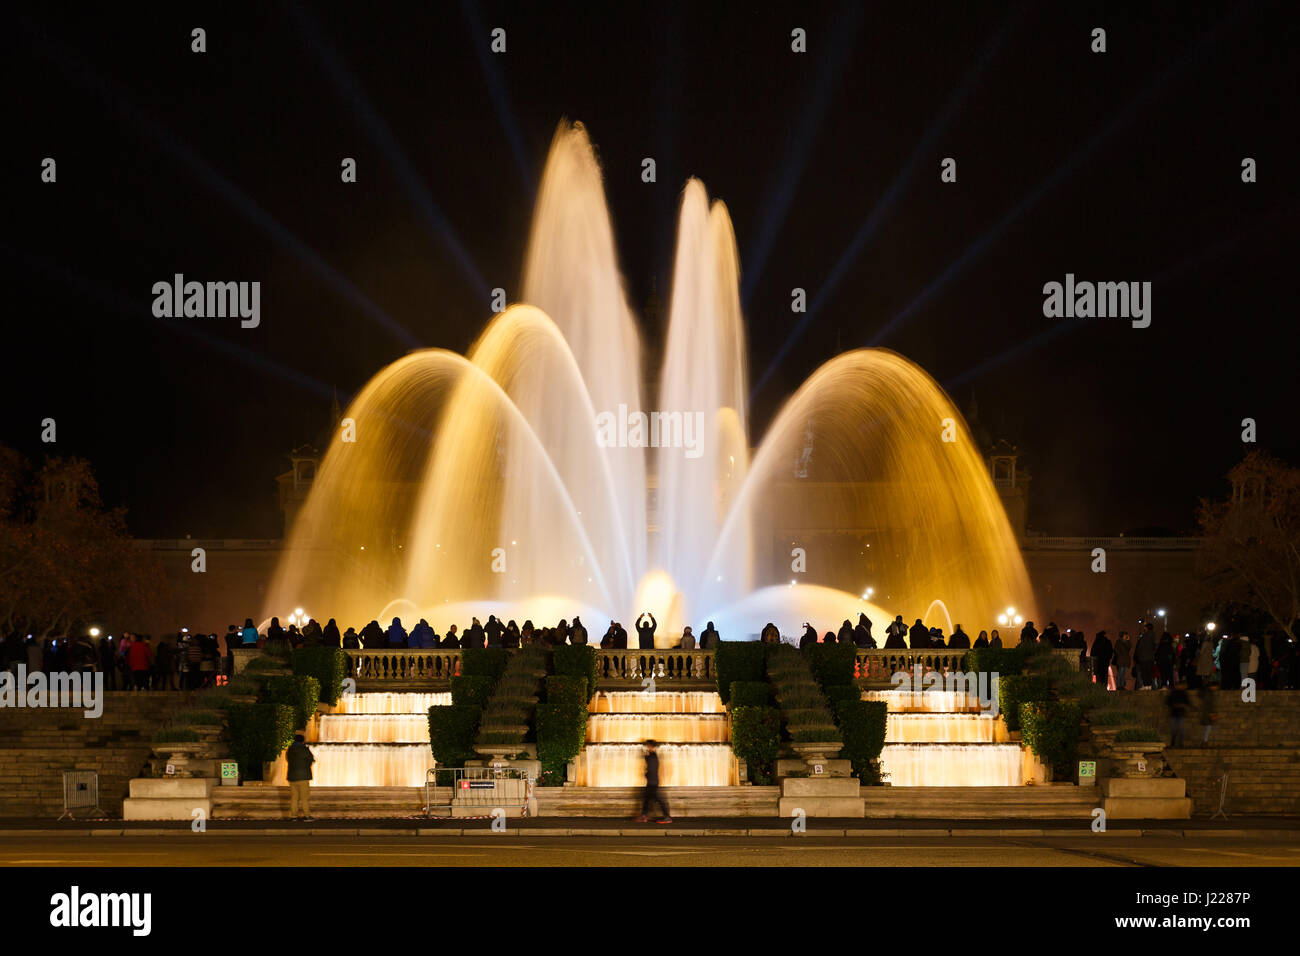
{"type": "Point", "coordinates": [1123, 166]}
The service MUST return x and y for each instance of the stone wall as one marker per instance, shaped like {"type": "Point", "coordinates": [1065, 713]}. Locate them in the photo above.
{"type": "Point", "coordinates": [38, 745]}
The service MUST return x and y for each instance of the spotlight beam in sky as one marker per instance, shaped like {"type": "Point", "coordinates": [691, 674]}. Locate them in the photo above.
{"type": "Point", "coordinates": [491, 66]}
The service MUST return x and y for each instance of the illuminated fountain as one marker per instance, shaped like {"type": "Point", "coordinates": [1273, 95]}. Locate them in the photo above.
{"type": "Point", "coordinates": [375, 740]}
{"type": "Point", "coordinates": [694, 745]}
{"type": "Point", "coordinates": [938, 738]}
{"type": "Point", "coordinates": [479, 484]}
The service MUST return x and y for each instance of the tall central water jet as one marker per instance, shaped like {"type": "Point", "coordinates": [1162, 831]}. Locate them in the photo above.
{"type": "Point", "coordinates": [482, 484]}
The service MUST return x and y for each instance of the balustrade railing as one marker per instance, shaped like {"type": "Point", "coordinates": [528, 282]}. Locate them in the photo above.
{"type": "Point", "coordinates": [665, 665]}
{"type": "Point", "coordinates": [403, 665]}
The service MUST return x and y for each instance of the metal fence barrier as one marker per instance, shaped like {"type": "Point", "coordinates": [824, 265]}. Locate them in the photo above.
{"type": "Point", "coordinates": [485, 787]}
{"type": "Point", "coordinates": [81, 792]}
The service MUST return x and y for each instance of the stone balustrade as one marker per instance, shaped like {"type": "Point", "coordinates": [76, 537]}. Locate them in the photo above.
{"type": "Point", "coordinates": [404, 666]}
{"type": "Point", "coordinates": [666, 665]}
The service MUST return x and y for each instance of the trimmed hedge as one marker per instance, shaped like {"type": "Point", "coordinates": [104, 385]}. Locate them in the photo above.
{"type": "Point", "coordinates": [561, 730]}
{"type": "Point", "coordinates": [831, 664]}
{"type": "Point", "coordinates": [750, 693]}
{"type": "Point", "coordinates": [837, 693]}
{"type": "Point", "coordinates": [1050, 728]}
{"type": "Point", "coordinates": [997, 660]}
{"type": "Point", "coordinates": [755, 737]}
{"type": "Point", "coordinates": [569, 690]}
{"type": "Point", "coordinates": [300, 693]}
{"type": "Point", "coordinates": [471, 690]}
{"type": "Point", "coordinates": [580, 661]}
{"type": "Point", "coordinates": [258, 734]}
{"type": "Point", "coordinates": [484, 662]}
{"type": "Point", "coordinates": [329, 665]}
{"type": "Point", "coordinates": [1015, 689]}
{"type": "Point", "coordinates": [451, 733]}
{"type": "Point", "coordinates": [744, 661]}
{"type": "Point", "coordinates": [863, 724]}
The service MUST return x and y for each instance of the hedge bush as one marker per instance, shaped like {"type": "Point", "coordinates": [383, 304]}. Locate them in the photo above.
{"type": "Point", "coordinates": [561, 732]}
{"type": "Point", "coordinates": [258, 734]}
{"type": "Point", "coordinates": [471, 690]}
{"type": "Point", "coordinates": [1015, 689]}
{"type": "Point", "coordinates": [1050, 728]}
{"type": "Point", "coordinates": [451, 733]}
{"type": "Point", "coordinates": [749, 693]}
{"type": "Point", "coordinates": [176, 735]}
{"type": "Point", "coordinates": [755, 737]}
{"type": "Point", "coordinates": [568, 689]}
{"type": "Point", "coordinates": [831, 664]}
{"type": "Point", "coordinates": [329, 665]}
{"type": "Point", "coordinates": [837, 693]}
{"type": "Point", "coordinates": [743, 661]}
{"type": "Point", "coordinates": [1138, 735]}
{"type": "Point", "coordinates": [484, 662]}
{"type": "Point", "coordinates": [862, 725]}
{"type": "Point", "coordinates": [1003, 661]}
{"type": "Point", "coordinates": [1113, 718]}
{"type": "Point", "coordinates": [580, 661]}
{"type": "Point", "coordinates": [300, 693]}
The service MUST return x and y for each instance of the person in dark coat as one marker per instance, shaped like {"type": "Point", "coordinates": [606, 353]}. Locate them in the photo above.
{"type": "Point", "coordinates": [829, 638]}
{"type": "Point", "coordinates": [1229, 663]}
{"type": "Point", "coordinates": [396, 636]}
{"type": "Point", "coordinates": [450, 641]}
{"type": "Point", "coordinates": [493, 631]}
{"type": "Point", "coordinates": [608, 640]}
{"type": "Point", "coordinates": [809, 636]}
{"type": "Point", "coordinates": [918, 636]}
{"type": "Point", "coordinates": [936, 637]}
{"type": "Point", "coordinates": [330, 634]}
{"type": "Point", "coordinates": [1028, 633]}
{"type": "Point", "coordinates": [845, 635]}
{"type": "Point", "coordinates": [1102, 653]}
{"type": "Point", "coordinates": [646, 632]}
{"type": "Point", "coordinates": [1051, 635]}
{"type": "Point", "coordinates": [372, 636]}
{"type": "Point", "coordinates": [652, 794]}
{"type": "Point", "coordinates": [1144, 658]}
{"type": "Point", "coordinates": [995, 639]}
{"type": "Point", "coordinates": [475, 636]}
{"type": "Point", "coordinates": [862, 633]}
{"type": "Point", "coordinates": [299, 758]}
{"type": "Point", "coordinates": [895, 634]}
{"type": "Point", "coordinates": [959, 638]}
{"type": "Point", "coordinates": [578, 635]}
{"type": "Point", "coordinates": [982, 640]}
{"type": "Point", "coordinates": [770, 635]}
{"type": "Point", "coordinates": [709, 638]}
{"type": "Point", "coordinates": [1165, 660]}
{"type": "Point", "coordinates": [351, 640]}
{"type": "Point", "coordinates": [510, 636]}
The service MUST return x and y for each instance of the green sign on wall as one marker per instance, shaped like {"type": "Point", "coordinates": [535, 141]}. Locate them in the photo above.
{"type": "Point", "coordinates": [229, 769]}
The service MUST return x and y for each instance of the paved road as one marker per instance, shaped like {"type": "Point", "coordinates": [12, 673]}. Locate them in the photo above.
{"type": "Point", "coordinates": [215, 849]}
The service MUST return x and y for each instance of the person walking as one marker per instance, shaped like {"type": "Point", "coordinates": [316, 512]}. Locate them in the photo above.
{"type": "Point", "coordinates": [1177, 703]}
{"type": "Point", "coordinates": [299, 758]}
{"type": "Point", "coordinates": [651, 794]}
{"type": "Point", "coordinates": [1208, 716]}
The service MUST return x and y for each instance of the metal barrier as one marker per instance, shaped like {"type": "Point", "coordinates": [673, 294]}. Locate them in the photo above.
{"type": "Point", "coordinates": [81, 792]}
{"type": "Point", "coordinates": [471, 787]}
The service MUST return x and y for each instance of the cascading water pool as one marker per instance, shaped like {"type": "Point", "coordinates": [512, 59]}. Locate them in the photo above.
{"type": "Point", "coordinates": [939, 738]}
{"type": "Point", "coordinates": [691, 729]}
{"type": "Point", "coordinates": [375, 740]}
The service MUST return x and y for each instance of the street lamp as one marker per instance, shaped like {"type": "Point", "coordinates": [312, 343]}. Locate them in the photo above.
{"type": "Point", "coordinates": [1164, 622]}
{"type": "Point", "coordinates": [1210, 627]}
{"type": "Point", "coordinates": [94, 632]}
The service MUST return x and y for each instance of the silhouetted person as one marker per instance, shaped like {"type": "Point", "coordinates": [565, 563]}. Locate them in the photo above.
{"type": "Point", "coordinates": [475, 636]}
{"type": "Point", "coordinates": [709, 637]}
{"type": "Point", "coordinates": [396, 636]}
{"type": "Point", "coordinates": [809, 636]}
{"type": "Point", "coordinates": [770, 634]}
{"type": "Point", "coordinates": [493, 630]}
{"type": "Point", "coordinates": [936, 637]}
{"type": "Point", "coordinates": [372, 636]}
{"type": "Point", "coordinates": [918, 635]}
{"type": "Point", "coordinates": [959, 638]}
{"type": "Point", "coordinates": [896, 634]}
{"type": "Point", "coordinates": [1164, 660]}
{"type": "Point", "coordinates": [646, 632]}
{"type": "Point", "coordinates": [451, 641]}
{"type": "Point", "coordinates": [1230, 664]}
{"type": "Point", "coordinates": [250, 633]}
{"type": "Point", "coordinates": [1144, 657]}
{"type": "Point", "coordinates": [687, 643]}
{"type": "Point", "coordinates": [1102, 653]}
{"type": "Point", "coordinates": [995, 639]}
{"type": "Point", "coordinates": [845, 635]}
{"type": "Point", "coordinates": [1178, 703]}
{"type": "Point", "coordinates": [299, 759]}
{"type": "Point", "coordinates": [510, 636]}
{"type": "Point", "coordinates": [1028, 633]}
{"type": "Point", "coordinates": [862, 633]}
{"type": "Point", "coordinates": [982, 640]}
{"type": "Point", "coordinates": [578, 636]}
{"type": "Point", "coordinates": [651, 793]}
{"type": "Point", "coordinates": [351, 640]}
{"type": "Point", "coordinates": [1051, 634]}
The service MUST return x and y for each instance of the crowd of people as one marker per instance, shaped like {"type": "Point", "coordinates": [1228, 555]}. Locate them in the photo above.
{"type": "Point", "coordinates": [133, 662]}
{"type": "Point", "coordinates": [191, 661]}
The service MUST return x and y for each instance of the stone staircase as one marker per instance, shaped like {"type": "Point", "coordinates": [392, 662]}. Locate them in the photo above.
{"type": "Point", "coordinates": [37, 745]}
{"type": "Point", "coordinates": [1272, 721]}
{"type": "Point", "coordinates": [1050, 802]}
{"type": "Point", "coordinates": [682, 801]}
